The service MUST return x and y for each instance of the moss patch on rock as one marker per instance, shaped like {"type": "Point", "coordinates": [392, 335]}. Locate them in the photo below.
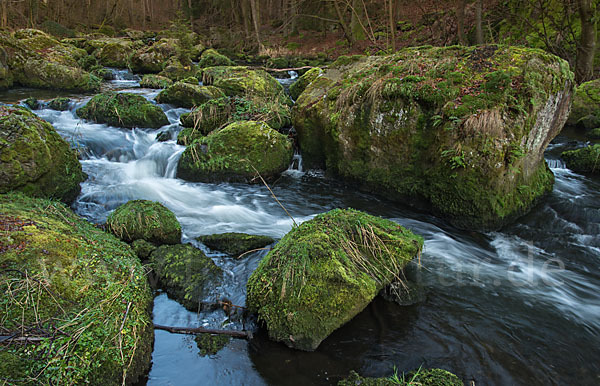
{"type": "Point", "coordinates": [211, 58]}
{"type": "Point", "coordinates": [35, 59]}
{"type": "Point", "coordinates": [183, 94]}
{"type": "Point", "coordinates": [123, 110]}
{"type": "Point", "coordinates": [586, 104]}
{"type": "Point", "coordinates": [145, 220]}
{"type": "Point", "coordinates": [209, 344]}
{"type": "Point", "coordinates": [60, 104]}
{"type": "Point", "coordinates": [460, 131]}
{"type": "Point", "coordinates": [155, 81]}
{"type": "Point", "coordinates": [79, 289]}
{"type": "Point", "coordinates": [231, 154]}
{"type": "Point", "coordinates": [235, 244]}
{"type": "Point", "coordinates": [219, 112]}
{"type": "Point", "coordinates": [245, 82]}
{"type": "Point", "coordinates": [584, 160]}
{"type": "Point", "coordinates": [115, 53]}
{"type": "Point", "coordinates": [324, 272]}
{"type": "Point", "coordinates": [300, 85]}
{"type": "Point", "coordinates": [185, 273]}
{"type": "Point", "coordinates": [421, 377]}
{"type": "Point", "coordinates": [152, 59]}
{"type": "Point", "coordinates": [34, 159]}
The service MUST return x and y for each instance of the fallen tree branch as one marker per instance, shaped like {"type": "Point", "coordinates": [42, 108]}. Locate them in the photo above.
{"type": "Point", "coordinates": [200, 330]}
{"type": "Point", "coordinates": [8, 339]}
{"type": "Point", "coordinates": [283, 69]}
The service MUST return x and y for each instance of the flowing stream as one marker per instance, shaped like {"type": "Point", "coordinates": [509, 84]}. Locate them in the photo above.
{"type": "Point", "coordinates": [516, 307]}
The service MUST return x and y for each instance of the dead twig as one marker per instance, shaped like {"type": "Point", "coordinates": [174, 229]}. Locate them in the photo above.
{"type": "Point", "coordinates": [200, 330]}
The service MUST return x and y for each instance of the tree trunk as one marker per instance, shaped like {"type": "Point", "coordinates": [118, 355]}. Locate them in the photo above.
{"type": "Point", "coordinates": [478, 22]}
{"type": "Point", "coordinates": [256, 19]}
{"type": "Point", "coordinates": [392, 26]}
{"type": "Point", "coordinates": [343, 23]}
{"type": "Point", "coordinates": [584, 63]}
{"type": "Point", "coordinates": [4, 14]}
{"type": "Point", "coordinates": [460, 21]}
{"type": "Point", "coordinates": [246, 16]}
{"type": "Point", "coordinates": [356, 26]}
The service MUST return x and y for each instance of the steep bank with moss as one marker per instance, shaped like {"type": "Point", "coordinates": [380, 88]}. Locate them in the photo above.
{"type": "Point", "coordinates": [34, 159]}
{"type": "Point", "coordinates": [79, 293]}
{"type": "Point", "coordinates": [460, 131]}
{"type": "Point", "coordinates": [326, 271]}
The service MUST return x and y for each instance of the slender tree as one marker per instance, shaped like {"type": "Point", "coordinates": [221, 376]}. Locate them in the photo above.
{"type": "Point", "coordinates": [584, 65]}
{"type": "Point", "coordinates": [479, 22]}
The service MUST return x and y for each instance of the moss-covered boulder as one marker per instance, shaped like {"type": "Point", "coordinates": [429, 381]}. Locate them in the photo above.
{"type": "Point", "coordinates": [79, 290]}
{"type": "Point", "coordinates": [123, 110]}
{"type": "Point", "coordinates": [421, 377]}
{"type": "Point", "coordinates": [115, 52]}
{"type": "Point", "coordinates": [235, 153]}
{"type": "Point", "coordinates": [155, 81]}
{"type": "Point", "coordinates": [211, 58]}
{"type": "Point", "coordinates": [584, 160]}
{"type": "Point", "coordinates": [324, 272]}
{"type": "Point", "coordinates": [183, 94]}
{"type": "Point", "coordinates": [176, 70]}
{"type": "Point", "coordinates": [185, 273]}
{"type": "Point", "coordinates": [585, 111]}
{"type": "Point", "coordinates": [235, 244]}
{"type": "Point", "coordinates": [152, 59]}
{"type": "Point", "coordinates": [43, 74]}
{"type": "Point", "coordinates": [145, 220]}
{"type": "Point", "coordinates": [35, 59]}
{"type": "Point", "coordinates": [218, 112]}
{"type": "Point", "coordinates": [60, 104]}
{"type": "Point", "coordinates": [300, 85]}
{"type": "Point", "coordinates": [244, 82]}
{"type": "Point", "coordinates": [34, 159]}
{"type": "Point", "coordinates": [460, 131]}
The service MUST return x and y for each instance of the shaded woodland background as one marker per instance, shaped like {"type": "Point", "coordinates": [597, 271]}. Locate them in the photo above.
{"type": "Point", "coordinates": [567, 28]}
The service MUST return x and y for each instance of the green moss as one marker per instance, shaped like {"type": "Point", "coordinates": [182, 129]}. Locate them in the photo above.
{"type": "Point", "coordinates": [152, 59]}
{"type": "Point", "coordinates": [155, 81]}
{"type": "Point", "coordinates": [142, 248]}
{"type": "Point", "coordinates": [211, 58]}
{"type": "Point", "coordinates": [235, 244]}
{"type": "Point", "coordinates": [300, 85]}
{"type": "Point", "coordinates": [183, 94]}
{"type": "Point", "coordinates": [123, 110]}
{"type": "Point", "coordinates": [209, 344]}
{"type": "Point", "coordinates": [57, 29]}
{"type": "Point", "coordinates": [219, 112]}
{"type": "Point", "coordinates": [116, 53]}
{"type": "Point", "coordinates": [586, 102]}
{"type": "Point", "coordinates": [86, 292]}
{"type": "Point", "coordinates": [324, 272]}
{"type": "Point", "coordinates": [244, 82]}
{"type": "Point", "coordinates": [34, 159]}
{"type": "Point", "coordinates": [178, 69]}
{"type": "Point", "coordinates": [594, 133]}
{"type": "Point", "coordinates": [427, 377]}
{"type": "Point", "coordinates": [584, 160]}
{"type": "Point", "coordinates": [441, 126]}
{"type": "Point", "coordinates": [146, 220]}
{"type": "Point", "coordinates": [44, 74]}
{"type": "Point", "coordinates": [185, 273]}
{"type": "Point", "coordinates": [231, 153]}
{"type": "Point", "coordinates": [60, 104]}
